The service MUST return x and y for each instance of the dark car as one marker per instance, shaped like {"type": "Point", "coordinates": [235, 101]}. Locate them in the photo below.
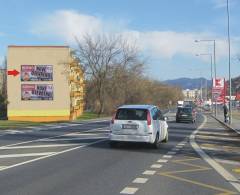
{"type": "Point", "coordinates": [186, 114]}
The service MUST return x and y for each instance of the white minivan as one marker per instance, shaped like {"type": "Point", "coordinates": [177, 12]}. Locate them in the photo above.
{"type": "Point", "coordinates": [138, 123]}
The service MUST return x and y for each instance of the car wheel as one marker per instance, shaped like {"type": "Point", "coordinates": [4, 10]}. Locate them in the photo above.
{"type": "Point", "coordinates": [166, 138]}
{"type": "Point", "coordinates": [156, 143]}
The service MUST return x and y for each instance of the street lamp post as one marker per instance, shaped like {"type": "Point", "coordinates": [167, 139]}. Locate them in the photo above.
{"type": "Point", "coordinates": [211, 61]}
{"type": "Point", "coordinates": [214, 62]}
{"type": "Point", "coordinates": [229, 65]}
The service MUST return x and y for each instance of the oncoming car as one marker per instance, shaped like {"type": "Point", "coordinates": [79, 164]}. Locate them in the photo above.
{"type": "Point", "coordinates": [138, 123]}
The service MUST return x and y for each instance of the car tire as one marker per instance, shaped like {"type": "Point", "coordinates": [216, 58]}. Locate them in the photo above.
{"type": "Point", "coordinates": [156, 143]}
{"type": "Point", "coordinates": [166, 138]}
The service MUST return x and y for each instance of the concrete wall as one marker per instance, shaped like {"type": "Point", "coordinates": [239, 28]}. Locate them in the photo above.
{"type": "Point", "coordinates": [39, 110]}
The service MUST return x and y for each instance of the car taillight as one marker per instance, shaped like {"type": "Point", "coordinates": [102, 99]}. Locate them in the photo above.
{"type": "Point", "coordinates": [113, 118]}
{"type": "Point", "coordinates": [149, 121]}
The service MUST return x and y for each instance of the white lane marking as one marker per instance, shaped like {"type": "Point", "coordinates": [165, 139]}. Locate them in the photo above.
{"type": "Point", "coordinates": [72, 139]}
{"type": "Point", "coordinates": [14, 132]}
{"type": "Point", "coordinates": [54, 154]}
{"type": "Point", "coordinates": [162, 160]}
{"type": "Point", "coordinates": [179, 146]}
{"type": "Point", "coordinates": [171, 153]}
{"type": "Point", "coordinates": [156, 166]}
{"type": "Point", "coordinates": [149, 172]}
{"type": "Point", "coordinates": [217, 138]}
{"type": "Point", "coordinates": [140, 180]}
{"type": "Point", "coordinates": [223, 172]}
{"type": "Point", "coordinates": [37, 140]}
{"type": "Point", "coordinates": [38, 146]}
{"type": "Point", "coordinates": [167, 156]}
{"type": "Point", "coordinates": [26, 155]}
{"type": "Point", "coordinates": [129, 190]}
{"type": "Point", "coordinates": [230, 162]}
{"type": "Point", "coordinates": [2, 167]}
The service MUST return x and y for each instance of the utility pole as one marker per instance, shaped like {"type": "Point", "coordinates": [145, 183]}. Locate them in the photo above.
{"type": "Point", "coordinates": [229, 66]}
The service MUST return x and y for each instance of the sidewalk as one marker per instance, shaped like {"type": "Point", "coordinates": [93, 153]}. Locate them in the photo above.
{"type": "Point", "coordinates": [235, 125]}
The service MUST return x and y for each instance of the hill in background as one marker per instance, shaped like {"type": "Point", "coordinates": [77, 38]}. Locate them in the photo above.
{"type": "Point", "coordinates": [189, 83]}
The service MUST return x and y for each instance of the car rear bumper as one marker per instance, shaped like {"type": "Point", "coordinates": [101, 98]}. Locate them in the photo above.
{"type": "Point", "coordinates": [132, 138]}
{"type": "Point", "coordinates": [185, 119]}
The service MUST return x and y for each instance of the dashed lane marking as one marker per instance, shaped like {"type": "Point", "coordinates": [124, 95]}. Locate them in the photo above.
{"type": "Point", "coordinates": [140, 180]}
{"type": "Point", "coordinates": [156, 166]}
{"type": "Point", "coordinates": [129, 190]}
{"type": "Point", "coordinates": [162, 161]}
{"type": "Point", "coordinates": [149, 172]}
{"type": "Point", "coordinates": [167, 156]}
{"type": "Point", "coordinates": [179, 146]}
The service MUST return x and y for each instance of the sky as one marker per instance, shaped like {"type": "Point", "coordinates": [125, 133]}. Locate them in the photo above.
{"type": "Point", "coordinates": [164, 30]}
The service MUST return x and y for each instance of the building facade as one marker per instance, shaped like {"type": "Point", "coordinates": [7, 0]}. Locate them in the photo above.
{"type": "Point", "coordinates": [49, 86]}
{"type": "Point", "coordinates": [191, 94]}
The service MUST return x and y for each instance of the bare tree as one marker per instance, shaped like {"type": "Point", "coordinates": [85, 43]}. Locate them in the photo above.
{"type": "Point", "coordinates": [100, 57]}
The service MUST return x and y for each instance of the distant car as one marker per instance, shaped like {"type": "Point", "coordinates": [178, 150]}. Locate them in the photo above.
{"type": "Point", "coordinates": [186, 114]}
{"type": "Point", "coordinates": [138, 123]}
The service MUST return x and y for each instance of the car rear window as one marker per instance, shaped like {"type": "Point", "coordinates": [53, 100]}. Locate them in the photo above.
{"type": "Point", "coordinates": [131, 114]}
{"type": "Point", "coordinates": [185, 110]}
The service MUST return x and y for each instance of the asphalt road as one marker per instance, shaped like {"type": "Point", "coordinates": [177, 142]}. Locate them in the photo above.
{"type": "Point", "coordinates": [76, 159]}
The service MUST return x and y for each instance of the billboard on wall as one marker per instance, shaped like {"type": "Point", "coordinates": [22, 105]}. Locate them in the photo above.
{"type": "Point", "coordinates": [36, 72]}
{"type": "Point", "coordinates": [37, 91]}
{"type": "Point", "coordinates": [218, 90]}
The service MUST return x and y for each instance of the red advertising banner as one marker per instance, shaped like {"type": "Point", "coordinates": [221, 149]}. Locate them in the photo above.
{"type": "Point", "coordinates": [37, 91]}
{"type": "Point", "coordinates": [238, 96]}
{"type": "Point", "coordinates": [36, 73]}
{"type": "Point", "coordinates": [218, 90]}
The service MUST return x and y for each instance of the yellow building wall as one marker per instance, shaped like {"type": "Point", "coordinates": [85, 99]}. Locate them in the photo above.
{"type": "Point", "coordinates": [39, 110]}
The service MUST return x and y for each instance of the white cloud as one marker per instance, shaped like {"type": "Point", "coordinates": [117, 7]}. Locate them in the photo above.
{"type": "Point", "coordinates": [65, 24]}
{"type": "Point", "coordinates": [223, 3]}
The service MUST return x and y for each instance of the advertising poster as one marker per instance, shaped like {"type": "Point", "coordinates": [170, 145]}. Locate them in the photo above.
{"type": "Point", "coordinates": [37, 91]}
{"type": "Point", "coordinates": [218, 90]}
{"type": "Point", "coordinates": [36, 72]}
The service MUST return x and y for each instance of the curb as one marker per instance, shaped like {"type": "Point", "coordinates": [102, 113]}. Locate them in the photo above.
{"type": "Point", "coordinates": [226, 125]}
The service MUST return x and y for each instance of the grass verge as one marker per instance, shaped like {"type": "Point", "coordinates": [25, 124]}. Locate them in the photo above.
{"type": "Point", "coordinates": [5, 124]}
